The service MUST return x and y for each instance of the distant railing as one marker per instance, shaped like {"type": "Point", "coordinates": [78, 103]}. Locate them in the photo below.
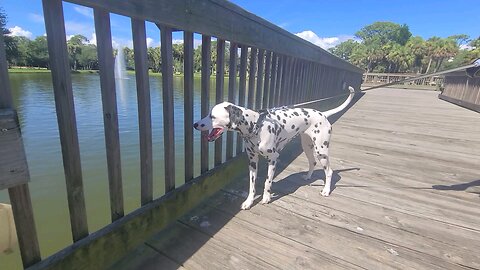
{"type": "Point", "coordinates": [283, 69]}
{"type": "Point", "coordinates": [372, 79]}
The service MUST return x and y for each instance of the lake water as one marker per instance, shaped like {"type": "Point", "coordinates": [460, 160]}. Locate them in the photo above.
{"type": "Point", "coordinates": [34, 100]}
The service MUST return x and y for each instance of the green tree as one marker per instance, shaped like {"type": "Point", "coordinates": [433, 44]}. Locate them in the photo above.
{"type": "Point", "coordinates": [384, 32]}
{"type": "Point", "coordinates": [38, 52]}
{"type": "Point", "coordinates": [345, 49]}
{"type": "Point", "coordinates": [10, 44]}
{"type": "Point", "coordinates": [154, 59]}
{"type": "Point", "coordinates": [74, 47]}
{"type": "Point", "coordinates": [88, 58]}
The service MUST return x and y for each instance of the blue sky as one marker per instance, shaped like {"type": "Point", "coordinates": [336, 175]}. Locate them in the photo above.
{"type": "Point", "coordinates": [325, 23]}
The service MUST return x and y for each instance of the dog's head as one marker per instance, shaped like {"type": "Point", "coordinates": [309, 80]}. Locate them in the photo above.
{"type": "Point", "coordinates": [223, 116]}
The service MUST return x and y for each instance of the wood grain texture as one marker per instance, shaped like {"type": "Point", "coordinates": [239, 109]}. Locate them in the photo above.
{"type": "Point", "coordinates": [13, 162]}
{"type": "Point", "coordinates": [67, 124]}
{"type": "Point", "coordinates": [225, 21]}
{"type": "Point", "coordinates": [144, 110]}
{"type": "Point", "coordinates": [205, 99]}
{"type": "Point", "coordinates": [110, 114]}
{"type": "Point", "coordinates": [188, 103]}
{"type": "Point", "coordinates": [168, 113]}
{"type": "Point", "coordinates": [219, 85]}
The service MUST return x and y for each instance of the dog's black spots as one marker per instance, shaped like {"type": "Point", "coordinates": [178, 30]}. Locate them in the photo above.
{"type": "Point", "coordinates": [314, 163]}
{"type": "Point", "coordinates": [273, 149]}
{"type": "Point", "coordinates": [202, 125]}
{"type": "Point", "coordinates": [269, 129]}
{"type": "Point", "coordinates": [314, 138]}
{"type": "Point", "coordinates": [305, 119]}
{"type": "Point", "coordinates": [304, 112]}
{"type": "Point", "coordinates": [269, 151]}
{"type": "Point", "coordinates": [316, 125]}
{"type": "Point", "coordinates": [296, 113]}
{"type": "Point", "coordinates": [284, 121]}
{"type": "Point", "coordinates": [330, 131]}
{"type": "Point", "coordinates": [311, 146]}
{"type": "Point", "coordinates": [293, 126]}
{"type": "Point", "coordinates": [324, 167]}
{"type": "Point", "coordinates": [286, 115]}
{"type": "Point", "coordinates": [321, 146]}
{"type": "Point", "coordinates": [273, 162]}
{"type": "Point", "coordinates": [253, 165]}
{"type": "Point", "coordinates": [246, 114]}
{"type": "Point", "coordinates": [325, 143]}
{"type": "Point", "coordinates": [278, 117]}
{"type": "Point", "coordinates": [252, 179]}
{"type": "Point", "coordinates": [297, 129]}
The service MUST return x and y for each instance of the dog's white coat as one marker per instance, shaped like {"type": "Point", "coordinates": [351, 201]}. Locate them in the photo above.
{"type": "Point", "coordinates": [268, 135]}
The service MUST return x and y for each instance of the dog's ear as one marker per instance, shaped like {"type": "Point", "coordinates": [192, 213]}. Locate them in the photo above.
{"type": "Point", "coordinates": [235, 115]}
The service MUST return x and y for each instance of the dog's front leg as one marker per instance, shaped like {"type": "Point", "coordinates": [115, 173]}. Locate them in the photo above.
{"type": "Point", "coordinates": [267, 195]}
{"type": "Point", "coordinates": [252, 166]}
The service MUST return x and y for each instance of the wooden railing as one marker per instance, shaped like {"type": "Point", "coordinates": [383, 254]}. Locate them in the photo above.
{"type": "Point", "coordinates": [373, 79]}
{"type": "Point", "coordinates": [462, 90]}
{"type": "Point", "coordinates": [283, 69]}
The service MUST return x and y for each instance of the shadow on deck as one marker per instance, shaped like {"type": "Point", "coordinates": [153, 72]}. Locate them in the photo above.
{"type": "Point", "coordinates": [406, 196]}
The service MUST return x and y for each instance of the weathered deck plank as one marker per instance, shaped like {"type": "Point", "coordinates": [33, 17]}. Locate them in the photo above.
{"type": "Point", "coordinates": [406, 196]}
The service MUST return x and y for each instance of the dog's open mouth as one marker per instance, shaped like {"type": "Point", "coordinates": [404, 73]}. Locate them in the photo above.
{"type": "Point", "coordinates": [215, 134]}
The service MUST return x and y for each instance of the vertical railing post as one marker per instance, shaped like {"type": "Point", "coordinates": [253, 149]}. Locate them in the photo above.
{"type": "Point", "coordinates": [219, 84]}
{"type": "Point", "coordinates": [242, 88]}
{"type": "Point", "coordinates": [144, 110]}
{"type": "Point", "coordinates": [168, 113]}
{"type": "Point", "coordinates": [259, 88]}
{"type": "Point", "coordinates": [67, 124]}
{"type": "Point", "coordinates": [110, 115]}
{"type": "Point", "coordinates": [273, 78]}
{"type": "Point", "coordinates": [251, 78]}
{"type": "Point", "coordinates": [188, 103]}
{"type": "Point", "coordinates": [206, 54]}
{"type": "Point", "coordinates": [232, 82]}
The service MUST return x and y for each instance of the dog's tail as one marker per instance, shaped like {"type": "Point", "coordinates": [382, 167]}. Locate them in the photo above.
{"type": "Point", "coordinates": [344, 104]}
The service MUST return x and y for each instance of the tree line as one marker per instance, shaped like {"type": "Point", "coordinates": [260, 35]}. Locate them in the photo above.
{"type": "Point", "coordinates": [379, 47]}
{"type": "Point", "coordinates": [391, 47]}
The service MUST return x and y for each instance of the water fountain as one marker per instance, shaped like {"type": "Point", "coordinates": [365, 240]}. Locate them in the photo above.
{"type": "Point", "coordinates": [120, 67]}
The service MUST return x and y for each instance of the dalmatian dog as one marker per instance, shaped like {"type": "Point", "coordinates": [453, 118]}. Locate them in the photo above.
{"type": "Point", "coordinates": [267, 132]}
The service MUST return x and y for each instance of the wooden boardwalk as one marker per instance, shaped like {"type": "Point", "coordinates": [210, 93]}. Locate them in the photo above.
{"type": "Point", "coordinates": [406, 197]}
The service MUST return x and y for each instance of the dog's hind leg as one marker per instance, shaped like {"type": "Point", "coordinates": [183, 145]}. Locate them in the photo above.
{"type": "Point", "coordinates": [307, 146]}
{"type": "Point", "coordinates": [321, 144]}
{"type": "Point", "coordinates": [252, 166]}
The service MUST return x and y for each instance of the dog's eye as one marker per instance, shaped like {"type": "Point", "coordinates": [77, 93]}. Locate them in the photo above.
{"type": "Point", "coordinates": [212, 117]}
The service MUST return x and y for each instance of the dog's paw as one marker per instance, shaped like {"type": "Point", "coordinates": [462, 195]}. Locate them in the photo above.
{"type": "Point", "coordinates": [247, 204]}
{"type": "Point", "coordinates": [306, 177]}
{"type": "Point", "coordinates": [325, 192]}
{"type": "Point", "coordinates": [266, 198]}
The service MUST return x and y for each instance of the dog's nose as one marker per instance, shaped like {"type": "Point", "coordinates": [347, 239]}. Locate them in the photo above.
{"type": "Point", "coordinates": [195, 125]}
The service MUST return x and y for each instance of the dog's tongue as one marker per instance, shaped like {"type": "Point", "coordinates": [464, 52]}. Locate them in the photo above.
{"type": "Point", "coordinates": [214, 134]}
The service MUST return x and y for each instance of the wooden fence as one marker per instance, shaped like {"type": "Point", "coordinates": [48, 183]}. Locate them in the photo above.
{"type": "Point", "coordinates": [462, 90]}
{"type": "Point", "coordinates": [373, 79]}
{"type": "Point", "coordinates": [283, 69]}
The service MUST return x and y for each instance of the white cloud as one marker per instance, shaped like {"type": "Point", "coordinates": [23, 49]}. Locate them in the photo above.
{"type": "Point", "coordinates": [93, 39]}
{"type": "Point", "coordinates": [323, 42]}
{"type": "Point", "coordinates": [87, 12]}
{"type": "Point", "coordinates": [150, 42]}
{"type": "Point", "coordinates": [34, 17]}
{"type": "Point", "coordinates": [17, 31]}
